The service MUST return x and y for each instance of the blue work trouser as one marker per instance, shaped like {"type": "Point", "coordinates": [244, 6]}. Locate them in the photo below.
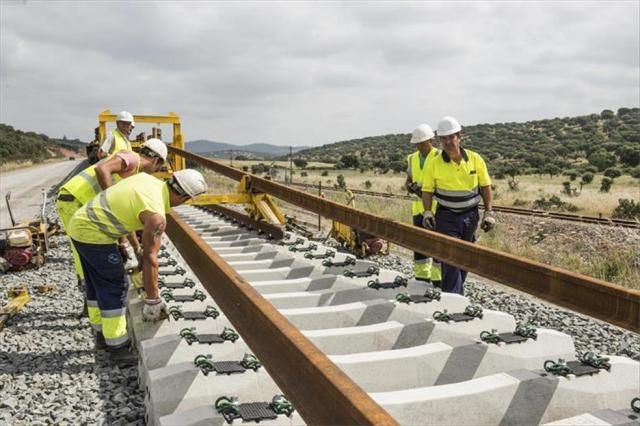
{"type": "Point", "coordinates": [107, 287]}
{"type": "Point", "coordinates": [458, 225]}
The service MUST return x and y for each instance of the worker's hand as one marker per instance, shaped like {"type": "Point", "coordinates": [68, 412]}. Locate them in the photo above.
{"type": "Point", "coordinates": [154, 310]}
{"type": "Point", "coordinates": [428, 220]}
{"type": "Point", "coordinates": [488, 221]}
{"type": "Point", "coordinates": [416, 188]}
{"type": "Point", "coordinates": [122, 248]}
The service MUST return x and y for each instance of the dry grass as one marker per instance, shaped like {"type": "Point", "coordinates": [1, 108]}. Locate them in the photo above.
{"type": "Point", "coordinates": [596, 252]}
{"type": "Point", "coordinates": [281, 164]}
{"type": "Point", "coordinates": [14, 165]}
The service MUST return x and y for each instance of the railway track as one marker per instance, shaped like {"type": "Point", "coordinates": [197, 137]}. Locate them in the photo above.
{"type": "Point", "coordinates": [512, 210]}
{"type": "Point", "coordinates": [344, 347]}
{"type": "Point", "coordinates": [346, 343]}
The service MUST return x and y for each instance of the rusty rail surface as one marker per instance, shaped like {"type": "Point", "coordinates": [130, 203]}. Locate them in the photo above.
{"type": "Point", "coordinates": [597, 298]}
{"type": "Point", "coordinates": [320, 391]}
{"type": "Point", "coordinates": [273, 231]}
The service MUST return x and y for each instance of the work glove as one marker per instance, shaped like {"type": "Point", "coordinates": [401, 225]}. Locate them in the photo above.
{"type": "Point", "coordinates": [122, 248]}
{"type": "Point", "coordinates": [154, 310]}
{"type": "Point", "coordinates": [428, 220]}
{"type": "Point", "coordinates": [488, 221]}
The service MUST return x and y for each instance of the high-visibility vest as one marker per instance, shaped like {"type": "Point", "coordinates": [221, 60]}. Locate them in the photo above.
{"type": "Point", "coordinates": [84, 186]}
{"type": "Point", "coordinates": [416, 173]}
{"type": "Point", "coordinates": [119, 143]}
{"type": "Point", "coordinates": [115, 212]}
{"type": "Point", "coordinates": [456, 186]}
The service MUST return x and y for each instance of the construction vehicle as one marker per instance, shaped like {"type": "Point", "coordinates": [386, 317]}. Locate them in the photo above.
{"type": "Point", "coordinates": [24, 244]}
{"type": "Point", "coordinates": [357, 242]}
{"type": "Point", "coordinates": [173, 163]}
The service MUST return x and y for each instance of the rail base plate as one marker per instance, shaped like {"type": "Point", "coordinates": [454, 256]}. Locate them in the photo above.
{"type": "Point", "coordinates": [256, 411]}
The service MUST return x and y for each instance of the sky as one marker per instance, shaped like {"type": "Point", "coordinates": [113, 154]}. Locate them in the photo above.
{"type": "Point", "coordinates": [310, 73]}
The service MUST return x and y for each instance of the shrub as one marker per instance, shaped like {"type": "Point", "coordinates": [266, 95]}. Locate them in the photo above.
{"type": "Point", "coordinates": [325, 173]}
{"type": "Point", "coordinates": [612, 172]}
{"type": "Point", "coordinates": [341, 182]}
{"type": "Point", "coordinates": [554, 203]}
{"type": "Point", "coordinates": [635, 172]}
{"type": "Point", "coordinates": [367, 184]}
{"type": "Point", "coordinates": [587, 178]}
{"type": "Point", "coordinates": [627, 209]}
{"type": "Point", "coordinates": [605, 184]}
{"type": "Point", "coordinates": [520, 203]}
{"type": "Point", "coordinates": [304, 174]}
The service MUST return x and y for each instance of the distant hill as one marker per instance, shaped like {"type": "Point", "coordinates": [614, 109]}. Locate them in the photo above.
{"type": "Point", "coordinates": [254, 150]}
{"type": "Point", "coordinates": [584, 143]}
{"type": "Point", "coordinates": [18, 145]}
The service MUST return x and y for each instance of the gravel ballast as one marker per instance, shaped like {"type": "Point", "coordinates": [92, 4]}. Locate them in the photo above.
{"type": "Point", "coordinates": [49, 371]}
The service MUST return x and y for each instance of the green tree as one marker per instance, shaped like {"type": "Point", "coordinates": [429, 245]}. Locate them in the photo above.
{"type": "Point", "coordinates": [342, 183]}
{"type": "Point", "coordinates": [586, 178]}
{"type": "Point", "coordinates": [602, 160]}
{"type": "Point", "coordinates": [605, 184]}
{"type": "Point", "coordinates": [349, 161]}
{"type": "Point", "coordinates": [612, 172]}
{"type": "Point", "coordinates": [299, 162]}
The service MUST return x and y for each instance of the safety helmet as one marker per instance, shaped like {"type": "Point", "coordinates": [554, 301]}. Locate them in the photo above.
{"type": "Point", "coordinates": [448, 126]}
{"type": "Point", "coordinates": [157, 146]}
{"type": "Point", "coordinates": [190, 182]}
{"type": "Point", "coordinates": [126, 116]}
{"type": "Point", "coordinates": [422, 133]}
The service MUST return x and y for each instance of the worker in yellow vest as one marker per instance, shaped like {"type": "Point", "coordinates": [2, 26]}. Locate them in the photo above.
{"type": "Point", "coordinates": [89, 182]}
{"type": "Point", "coordinates": [137, 203]}
{"type": "Point", "coordinates": [424, 268]}
{"type": "Point", "coordinates": [118, 140]}
{"type": "Point", "coordinates": [456, 179]}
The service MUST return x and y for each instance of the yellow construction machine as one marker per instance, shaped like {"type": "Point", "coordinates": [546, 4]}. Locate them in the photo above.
{"type": "Point", "coordinates": [357, 242]}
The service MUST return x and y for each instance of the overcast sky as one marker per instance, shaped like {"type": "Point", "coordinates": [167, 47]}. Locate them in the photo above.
{"type": "Point", "coordinates": [297, 73]}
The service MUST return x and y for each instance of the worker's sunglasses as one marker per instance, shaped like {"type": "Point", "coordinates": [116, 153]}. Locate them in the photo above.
{"type": "Point", "coordinates": [173, 183]}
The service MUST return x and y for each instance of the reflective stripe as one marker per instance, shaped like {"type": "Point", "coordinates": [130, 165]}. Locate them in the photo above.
{"type": "Point", "coordinates": [92, 181]}
{"type": "Point", "coordinates": [450, 193]}
{"type": "Point", "coordinates": [91, 214]}
{"type": "Point", "coordinates": [107, 211]}
{"type": "Point", "coordinates": [117, 341]}
{"type": "Point", "coordinates": [112, 313]}
{"type": "Point", "coordinates": [420, 261]}
{"type": "Point", "coordinates": [92, 303]}
{"type": "Point", "coordinates": [458, 205]}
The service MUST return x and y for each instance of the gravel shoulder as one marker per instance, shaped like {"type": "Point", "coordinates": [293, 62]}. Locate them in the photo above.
{"type": "Point", "coordinates": [49, 371]}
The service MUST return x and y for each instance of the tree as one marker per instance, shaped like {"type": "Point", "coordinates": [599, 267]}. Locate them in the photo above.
{"type": "Point", "coordinates": [586, 178]}
{"type": "Point", "coordinates": [341, 182]}
{"type": "Point", "coordinates": [349, 161]}
{"type": "Point", "coordinates": [324, 173]}
{"type": "Point", "coordinates": [612, 172]}
{"type": "Point", "coordinates": [571, 174]}
{"type": "Point", "coordinates": [368, 184]}
{"type": "Point", "coordinates": [607, 113]}
{"type": "Point", "coordinates": [299, 162]}
{"type": "Point", "coordinates": [629, 155]}
{"type": "Point", "coordinates": [627, 209]}
{"type": "Point", "coordinates": [602, 160]}
{"type": "Point", "coordinates": [605, 184]}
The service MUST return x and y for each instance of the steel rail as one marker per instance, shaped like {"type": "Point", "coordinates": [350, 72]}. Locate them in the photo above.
{"type": "Point", "coordinates": [608, 221]}
{"type": "Point", "coordinates": [320, 391]}
{"type": "Point", "coordinates": [273, 231]}
{"type": "Point", "coordinates": [597, 298]}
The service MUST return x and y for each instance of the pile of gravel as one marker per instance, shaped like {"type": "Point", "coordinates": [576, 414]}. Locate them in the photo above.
{"type": "Point", "coordinates": [589, 335]}
{"type": "Point", "coordinates": [49, 371]}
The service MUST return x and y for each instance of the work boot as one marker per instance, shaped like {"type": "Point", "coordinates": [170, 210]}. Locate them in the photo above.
{"type": "Point", "coordinates": [100, 343]}
{"type": "Point", "coordinates": [123, 356]}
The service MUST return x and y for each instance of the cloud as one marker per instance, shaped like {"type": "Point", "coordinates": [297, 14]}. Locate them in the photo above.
{"type": "Point", "coordinates": [312, 73]}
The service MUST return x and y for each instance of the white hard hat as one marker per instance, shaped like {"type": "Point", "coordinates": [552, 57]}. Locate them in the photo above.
{"type": "Point", "coordinates": [157, 146]}
{"type": "Point", "coordinates": [126, 116]}
{"type": "Point", "coordinates": [191, 182]}
{"type": "Point", "coordinates": [448, 126]}
{"type": "Point", "coordinates": [422, 133]}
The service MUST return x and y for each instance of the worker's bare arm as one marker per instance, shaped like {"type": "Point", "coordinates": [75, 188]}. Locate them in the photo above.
{"type": "Point", "coordinates": [154, 226]}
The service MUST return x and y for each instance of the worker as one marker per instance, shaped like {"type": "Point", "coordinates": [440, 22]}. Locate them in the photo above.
{"type": "Point", "coordinates": [86, 184]}
{"type": "Point", "coordinates": [133, 204]}
{"type": "Point", "coordinates": [456, 179]}
{"type": "Point", "coordinates": [118, 140]}
{"type": "Point", "coordinates": [424, 268]}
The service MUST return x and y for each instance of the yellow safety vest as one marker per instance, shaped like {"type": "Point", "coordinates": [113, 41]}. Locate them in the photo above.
{"type": "Point", "coordinates": [416, 173]}
{"type": "Point", "coordinates": [456, 186]}
{"type": "Point", "coordinates": [120, 143]}
{"type": "Point", "coordinates": [115, 211]}
{"type": "Point", "coordinates": [84, 186]}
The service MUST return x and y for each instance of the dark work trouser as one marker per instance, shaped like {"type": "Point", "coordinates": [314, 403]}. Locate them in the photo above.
{"type": "Point", "coordinates": [462, 226]}
{"type": "Point", "coordinates": [107, 287]}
